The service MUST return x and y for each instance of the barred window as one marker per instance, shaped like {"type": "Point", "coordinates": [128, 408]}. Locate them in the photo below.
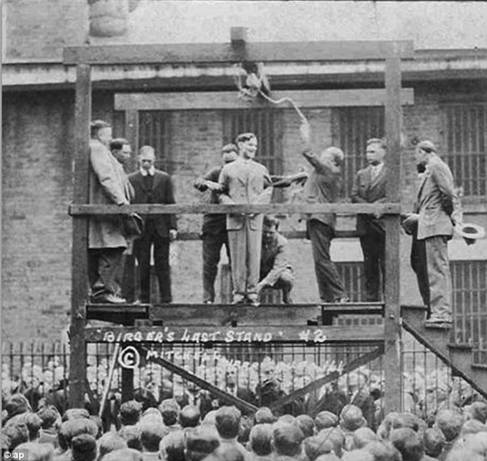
{"type": "Point", "coordinates": [154, 130]}
{"type": "Point", "coordinates": [351, 128]}
{"type": "Point", "coordinates": [266, 125]}
{"type": "Point", "coordinates": [469, 280]}
{"type": "Point", "coordinates": [465, 128]}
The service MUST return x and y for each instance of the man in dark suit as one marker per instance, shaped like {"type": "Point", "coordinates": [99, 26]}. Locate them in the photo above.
{"type": "Point", "coordinates": [154, 186]}
{"type": "Point", "coordinates": [432, 226]}
{"type": "Point", "coordinates": [370, 187]}
{"type": "Point", "coordinates": [323, 186]}
{"type": "Point", "coordinates": [214, 232]}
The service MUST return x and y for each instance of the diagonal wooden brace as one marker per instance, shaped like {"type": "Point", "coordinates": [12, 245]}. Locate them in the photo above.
{"type": "Point", "coordinates": [225, 396]}
{"type": "Point", "coordinates": [358, 362]}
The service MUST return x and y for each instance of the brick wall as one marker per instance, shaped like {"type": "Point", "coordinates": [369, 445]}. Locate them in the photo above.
{"type": "Point", "coordinates": [36, 234]}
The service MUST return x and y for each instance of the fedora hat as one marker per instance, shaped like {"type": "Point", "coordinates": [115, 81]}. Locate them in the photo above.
{"type": "Point", "coordinates": [470, 232]}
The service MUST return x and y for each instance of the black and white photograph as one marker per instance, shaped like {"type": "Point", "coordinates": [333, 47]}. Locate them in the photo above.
{"type": "Point", "coordinates": [243, 230]}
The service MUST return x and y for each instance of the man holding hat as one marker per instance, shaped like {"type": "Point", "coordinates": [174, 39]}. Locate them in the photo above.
{"type": "Point", "coordinates": [432, 226]}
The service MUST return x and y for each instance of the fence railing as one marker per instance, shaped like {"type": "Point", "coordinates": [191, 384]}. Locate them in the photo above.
{"type": "Point", "coordinates": [40, 370]}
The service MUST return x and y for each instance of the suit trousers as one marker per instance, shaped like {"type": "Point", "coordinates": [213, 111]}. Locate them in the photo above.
{"type": "Point", "coordinates": [429, 259]}
{"type": "Point", "coordinates": [373, 245]}
{"type": "Point", "coordinates": [103, 268]}
{"type": "Point", "coordinates": [245, 250]}
{"type": "Point", "coordinates": [142, 251]}
{"type": "Point", "coordinates": [329, 284]}
{"type": "Point", "coordinates": [212, 244]}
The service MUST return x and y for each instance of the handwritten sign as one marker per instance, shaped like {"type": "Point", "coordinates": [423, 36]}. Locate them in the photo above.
{"type": "Point", "coordinates": [210, 335]}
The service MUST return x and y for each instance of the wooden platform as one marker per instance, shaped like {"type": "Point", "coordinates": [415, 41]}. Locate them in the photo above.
{"type": "Point", "coordinates": [230, 314]}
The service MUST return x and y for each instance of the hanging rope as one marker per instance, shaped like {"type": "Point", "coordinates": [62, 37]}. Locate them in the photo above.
{"type": "Point", "coordinates": [282, 100]}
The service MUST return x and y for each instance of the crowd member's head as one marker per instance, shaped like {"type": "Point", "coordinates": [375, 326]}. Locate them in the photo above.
{"type": "Point", "coordinates": [336, 436]}
{"type": "Point", "coordinates": [316, 446]}
{"type": "Point", "coordinates": [83, 448]}
{"type": "Point", "coordinates": [101, 131]}
{"type": "Point", "coordinates": [450, 423]}
{"type": "Point", "coordinates": [261, 439]}
{"type": "Point", "coordinates": [287, 439]}
{"type": "Point", "coordinates": [189, 416]}
{"type": "Point", "coordinates": [75, 413]}
{"type": "Point", "coordinates": [201, 442]}
{"type": "Point", "coordinates": [264, 415]}
{"type": "Point", "coordinates": [385, 426]}
{"type": "Point", "coordinates": [227, 422]}
{"type": "Point", "coordinates": [376, 151]}
{"type": "Point", "coordinates": [210, 418]}
{"type": "Point", "coordinates": [131, 434]}
{"type": "Point", "coordinates": [125, 454]}
{"type": "Point", "coordinates": [351, 418]}
{"type": "Point", "coordinates": [172, 446]}
{"type": "Point", "coordinates": [306, 424]}
{"type": "Point", "coordinates": [357, 455]}
{"type": "Point", "coordinates": [121, 150]}
{"type": "Point", "coordinates": [477, 443]}
{"type": "Point", "coordinates": [49, 416]}
{"type": "Point", "coordinates": [109, 442]}
{"type": "Point", "coordinates": [407, 441]}
{"type": "Point", "coordinates": [463, 454]}
{"type": "Point", "coordinates": [333, 154]}
{"type": "Point", "coordinates": [247, 145]}
{"type": "Point", "coordinates": [74, 427]}
{"type": "Point", "coordinates": [153, 415]}
{"type": "Point", "coordinates": [33, 423]}
{"type": "Point", "coordinates": [286, 419]}
{"type": "Point", "coordinates": [383, 451]}
{"type": "Point", "coordinates": [15, 405]}
{"type": "Point", "coordinates": [433, 441]}
{"type": "Point", "coordinates": [325, 419]}
{"type": "Point", "coordinates": [472, 426]}
{"type": "Point", "coordinates": [229, 153]}
{"type": "Point", "coordinates": [130, 413]}
{"type": "Point", "coordinates": [328, 457]}
{"type": "Point", "coordinates": [169, 409]}
{"type": "Point", "coordinates": [362, 436]}
{"type": "Point", "coordinates": [151, 435]}
{"type": "Point", "coordinates": [478, 411]}
{"type": "Point", "coordinates": [15, 434]}
{"type": "Point", "coordinates": [32, 451]}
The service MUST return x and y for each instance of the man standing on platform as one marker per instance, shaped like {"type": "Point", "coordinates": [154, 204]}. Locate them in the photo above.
{"type": "Point", "coordinates": [323, 186]}
{"type": "Point", "coordinates": [243, 182]}
{"type": "Point", "coordinates": [154, 186]}
{"type": "Point", "coordinates": [432, 226]}
{"type": "Point", "coordinates": [275, 268]}
{"type": "Point", "coordinates": [214, 232]}
{"type": "Point", "coordinates": [108, 185]}
{"type": "Point", "coordinates": [370, 187]}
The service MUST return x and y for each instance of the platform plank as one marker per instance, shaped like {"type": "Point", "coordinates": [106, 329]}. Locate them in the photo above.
{"type": "Point", "coordinates": [232, 315]}
{"type": "Point", "coordinates": [198, 334]}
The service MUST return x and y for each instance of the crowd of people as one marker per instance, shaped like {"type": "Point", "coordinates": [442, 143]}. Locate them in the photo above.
{"type": "Point", "coordinates": [144, 430]}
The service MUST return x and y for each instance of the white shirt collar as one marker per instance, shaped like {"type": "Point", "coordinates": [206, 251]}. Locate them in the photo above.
{"type": "Point", "coordinates": [150, 172]}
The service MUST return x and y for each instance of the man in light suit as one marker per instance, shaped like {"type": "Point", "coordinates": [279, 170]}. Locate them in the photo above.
{"type": "Point", "coordinates": [243, 181]}
{"type": "Point", "coordinates": [108, 184]}
{"type": "Point", "coordinates": [433, 221]}
{"type": "Point", "coordinates": [154, 186]}
{"type": "Point", "coordinates": [370, 187]}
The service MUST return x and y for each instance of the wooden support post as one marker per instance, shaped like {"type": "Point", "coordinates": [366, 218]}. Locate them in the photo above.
{"type": "Point", "coordinates": [393, 118]}
{"type": "Point", "coordinates": [79, 283]}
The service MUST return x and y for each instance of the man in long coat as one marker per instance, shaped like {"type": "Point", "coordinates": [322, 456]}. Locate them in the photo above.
{"type": "Point", "coordinates": [108, 185]}
{"type": "Point", "coordinates": [432, 226]}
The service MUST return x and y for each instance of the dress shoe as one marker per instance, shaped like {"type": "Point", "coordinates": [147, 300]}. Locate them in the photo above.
{"type": "Point", "coordinates": [253, 300]}
{"type": "Point", "coordinates": [111, 298]}
{"type": "Point", "coordinates": [238, 299]}
{"type": "Point", "coordinates": [342, 300]}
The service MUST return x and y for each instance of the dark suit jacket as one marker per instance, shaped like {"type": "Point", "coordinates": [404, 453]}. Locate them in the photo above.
{"type": "Point", "coordinates": [366, 190]}
{"type": "Point", "coordinates": [161, 193]}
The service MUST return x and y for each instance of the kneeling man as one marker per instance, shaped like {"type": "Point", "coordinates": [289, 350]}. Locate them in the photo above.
{"type": "Point", "coordinates": [275, 268]}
